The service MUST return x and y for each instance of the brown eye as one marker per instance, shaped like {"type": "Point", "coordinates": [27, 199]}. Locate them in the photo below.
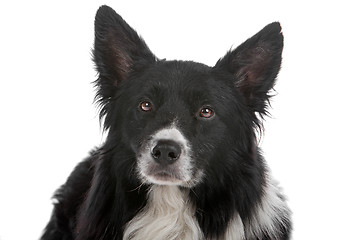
{"type": "Point", "coordinates": [146, 106]}
{"type": "Point", "coordinates": [206, 112]}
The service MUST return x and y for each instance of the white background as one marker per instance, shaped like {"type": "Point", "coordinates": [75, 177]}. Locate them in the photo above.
{"type": "Point", "coordinates": [48, 122]}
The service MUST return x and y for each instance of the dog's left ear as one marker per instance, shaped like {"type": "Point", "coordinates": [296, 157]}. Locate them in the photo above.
{"type": "Point", "coordinates": [118, 51]}
{"type": "Point", "coordinates": [255, 65]}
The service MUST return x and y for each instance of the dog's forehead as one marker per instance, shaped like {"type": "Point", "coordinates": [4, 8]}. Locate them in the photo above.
{"type": "Point", "coordinates": [179, 76]}
{"type": "Point", "coordinates": [182, 83]}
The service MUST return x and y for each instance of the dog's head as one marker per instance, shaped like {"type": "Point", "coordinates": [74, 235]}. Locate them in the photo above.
{"type": "Point", "coordinates": [181, 119]}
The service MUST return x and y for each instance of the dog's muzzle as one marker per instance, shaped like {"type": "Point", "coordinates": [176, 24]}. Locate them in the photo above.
{"type": "Point", "coordinates": [165, 158]}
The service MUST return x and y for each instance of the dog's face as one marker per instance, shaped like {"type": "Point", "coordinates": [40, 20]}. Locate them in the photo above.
{"type": "Point", "coordinates": [176, 119]}
{"type": "Point", "coordinates": [181, 119]}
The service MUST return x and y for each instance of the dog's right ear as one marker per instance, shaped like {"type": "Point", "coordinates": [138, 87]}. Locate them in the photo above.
{"type": "Point", "coordinates": [117, 50]}
{"type": "Point", "coordinates": [255, 65]}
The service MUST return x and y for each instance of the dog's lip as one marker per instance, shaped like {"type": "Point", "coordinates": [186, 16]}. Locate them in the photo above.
{"type": "Point", "coordinates": [161, 175]}
{"type": "Point", "coordinates": [164, 176]}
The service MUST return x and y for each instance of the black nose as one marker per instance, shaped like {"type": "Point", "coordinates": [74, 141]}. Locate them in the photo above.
{"type": "Point", "coordinates": [166, 152]}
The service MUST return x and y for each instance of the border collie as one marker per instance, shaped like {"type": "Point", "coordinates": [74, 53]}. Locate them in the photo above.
{"type": "Point", "coordinates": [180, 160]}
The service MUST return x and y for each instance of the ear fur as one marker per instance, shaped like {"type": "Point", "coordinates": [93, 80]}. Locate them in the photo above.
{"type": "Point", "coordinates": [255, 65]}
{"type": "Point", "coordinates": [118, 49]}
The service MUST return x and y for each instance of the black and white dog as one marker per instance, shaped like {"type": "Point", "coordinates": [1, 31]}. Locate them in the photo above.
{"type": "Point", "coordinates": [181, 159]}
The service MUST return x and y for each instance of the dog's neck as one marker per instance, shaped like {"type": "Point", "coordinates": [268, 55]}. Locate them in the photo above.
{"type": "Point", "coordinates": [169, 214]}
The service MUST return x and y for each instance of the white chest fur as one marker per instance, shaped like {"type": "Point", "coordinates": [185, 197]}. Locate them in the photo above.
{"type": "Point", "coordinates": [169, 215]}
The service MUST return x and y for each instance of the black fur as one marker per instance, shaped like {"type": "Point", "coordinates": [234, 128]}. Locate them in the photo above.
{"type": "Point", "coordinates": [104, 191]}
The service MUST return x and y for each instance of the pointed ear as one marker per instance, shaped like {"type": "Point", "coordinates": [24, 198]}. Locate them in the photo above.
{"type": "Point", "coordinates": [118, 49]}
{"type": "Point", "coordinates": [255, 65]}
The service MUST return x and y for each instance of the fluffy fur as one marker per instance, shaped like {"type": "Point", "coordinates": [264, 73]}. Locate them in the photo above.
{"type": "Point", "coordinates": [180, 160]}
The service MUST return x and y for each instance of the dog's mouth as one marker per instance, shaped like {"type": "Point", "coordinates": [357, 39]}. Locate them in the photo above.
{"type": "Point", "coordinates": [164, 177]}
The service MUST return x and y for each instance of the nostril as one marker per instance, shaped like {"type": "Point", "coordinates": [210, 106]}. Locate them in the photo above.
{"type": "Point", "coordinates": [156, 153]}
{"type": "Point", "coordinates": [173, 155]}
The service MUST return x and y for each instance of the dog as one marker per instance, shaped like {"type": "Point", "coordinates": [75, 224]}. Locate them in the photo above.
{"type": "Point", "coordinates": [181, 157]}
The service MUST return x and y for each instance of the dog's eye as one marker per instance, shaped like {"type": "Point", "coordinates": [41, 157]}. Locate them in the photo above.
{"type": "Point", "coordinates": [146, 106]}
{"type": "Point", "coordinates": [206, 112]}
